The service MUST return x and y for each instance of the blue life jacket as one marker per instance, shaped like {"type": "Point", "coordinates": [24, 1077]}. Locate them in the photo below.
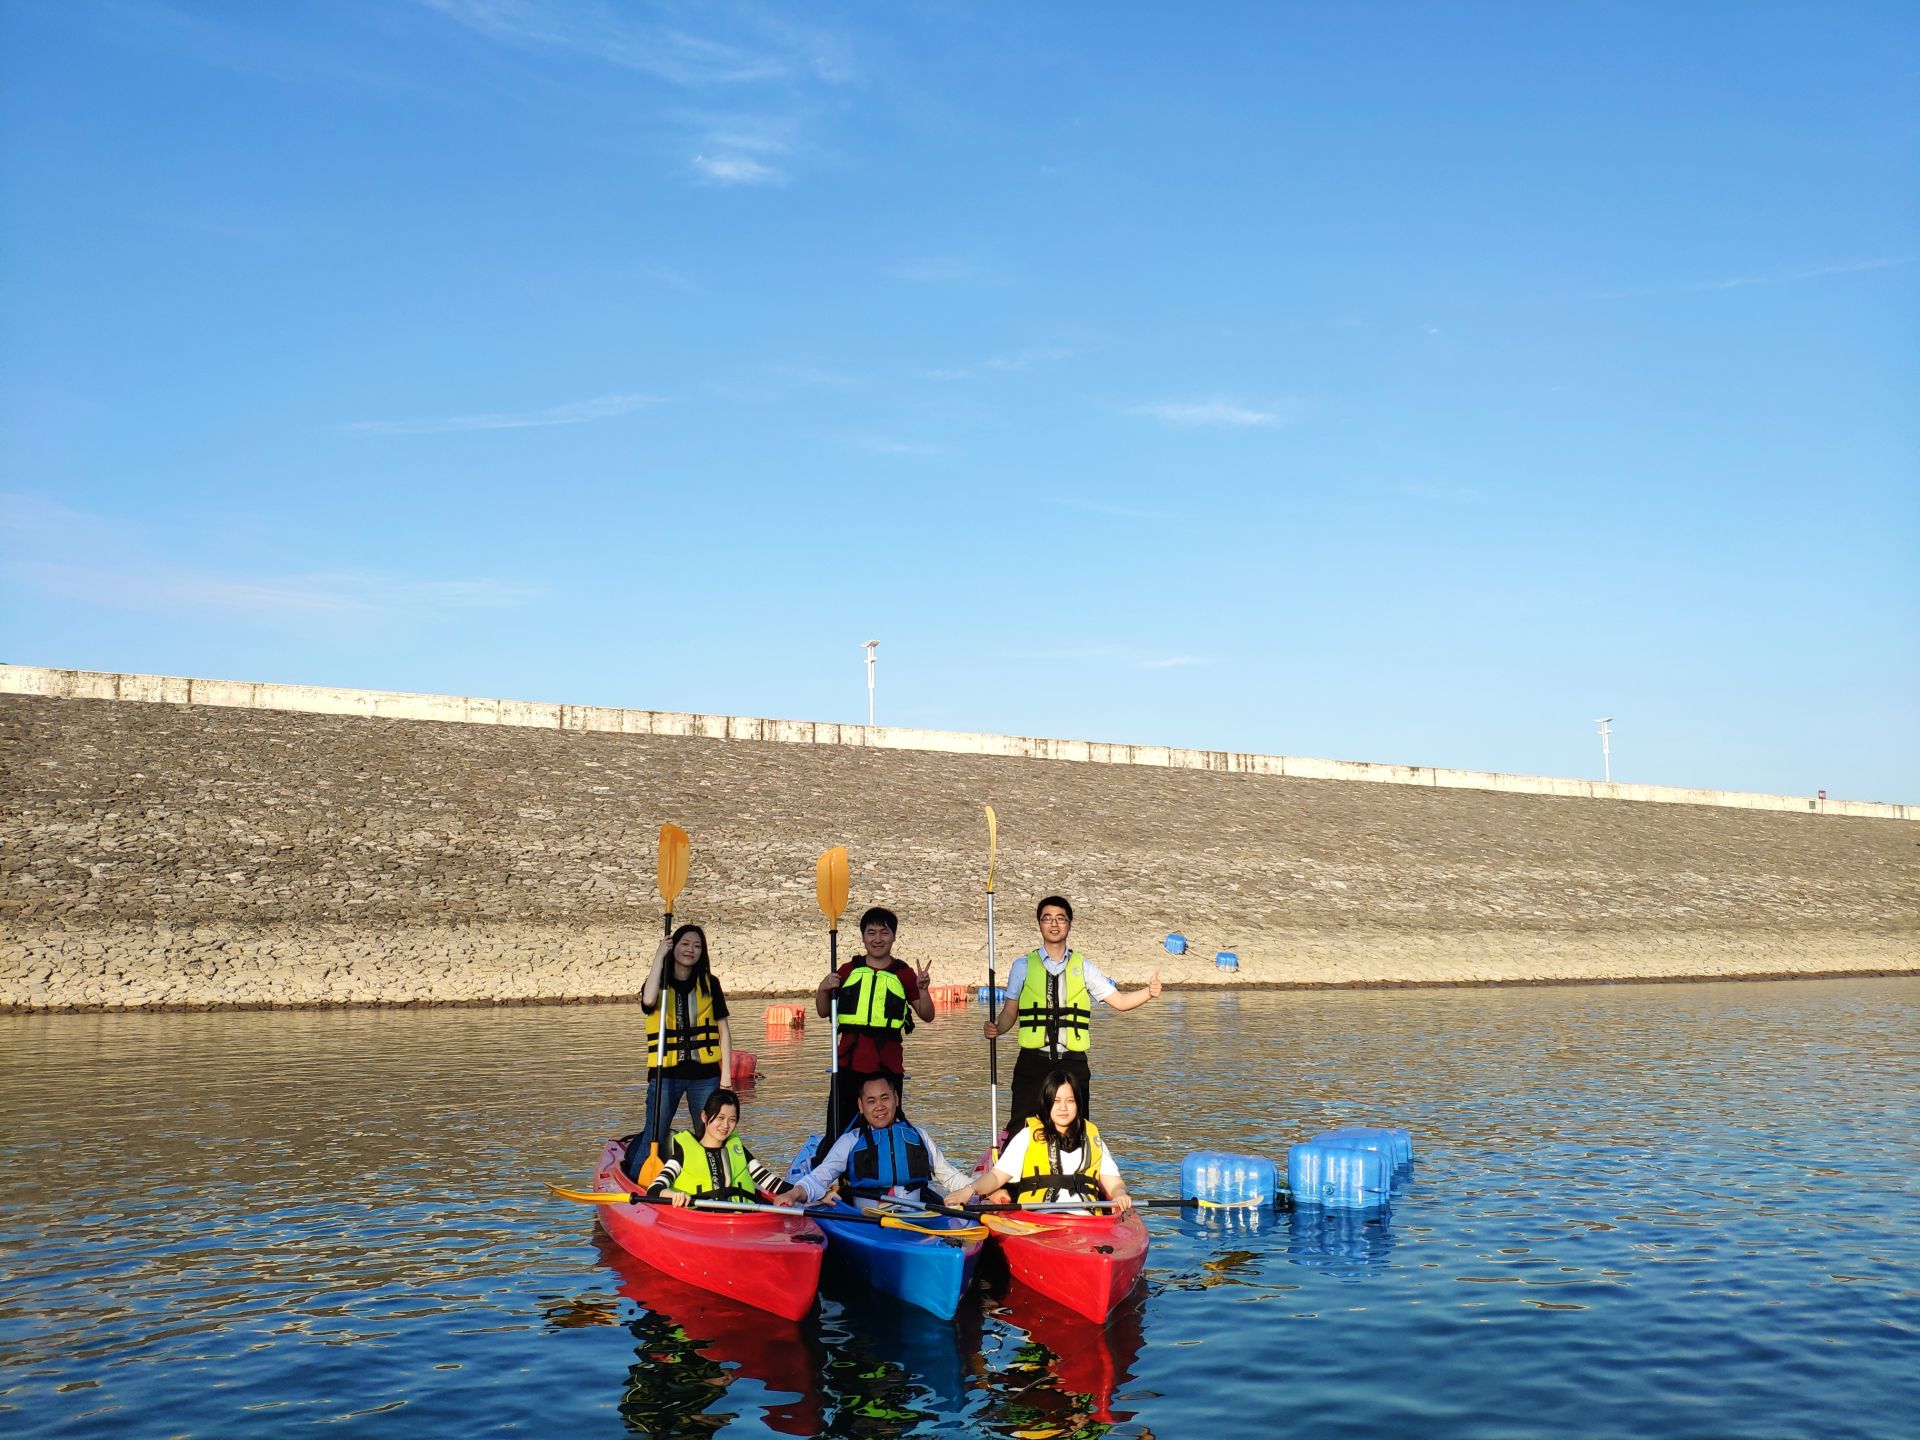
{"type": "Point", "coordinates": [882, 1159]}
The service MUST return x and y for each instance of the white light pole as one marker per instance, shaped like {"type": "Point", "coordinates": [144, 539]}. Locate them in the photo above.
{"type": "Point", "coordinates": [870, 646]}
{"type": "Point", "coordinates": [1606, 755]}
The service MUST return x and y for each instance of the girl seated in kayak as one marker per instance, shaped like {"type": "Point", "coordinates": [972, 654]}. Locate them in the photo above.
{"type": "Point", "coordinates": [717, 1164]}
{"type": "Point", "coordinates": [1059, 1157]}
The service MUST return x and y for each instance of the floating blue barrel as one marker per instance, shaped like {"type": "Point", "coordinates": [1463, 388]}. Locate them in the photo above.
{"type": "Point", "coordinates": [1335, 1174]}
{"type": "Point", "coordinates": [1176, 944]}
{"type": "Point", "coordinates": [1396, 1145]}
{"type": "Point", "coordinates": [1218, 1178]}
{"type": "Point", "coordinates": [1226, 960]}
{"type": "Point", "coordinates": [999, 996]}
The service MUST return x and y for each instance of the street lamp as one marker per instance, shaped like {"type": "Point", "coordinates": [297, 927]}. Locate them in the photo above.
{"type": "Point", "coordinates": [1606, 756]}
{"type": "Point", "coordinates": [870, 646]}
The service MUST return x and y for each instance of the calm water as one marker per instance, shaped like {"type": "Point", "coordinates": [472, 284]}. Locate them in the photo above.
{"type": "Point", "coordinates": [1685, 1210]}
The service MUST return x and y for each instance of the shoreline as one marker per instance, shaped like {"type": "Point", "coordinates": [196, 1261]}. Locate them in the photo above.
{"type": "Point", "coordinates": [536, 1001]}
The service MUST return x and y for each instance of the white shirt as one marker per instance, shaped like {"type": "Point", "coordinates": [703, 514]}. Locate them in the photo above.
{"type": "Point", "coordinates": [815, 1184]}
{"type": "Point", "coordinates": [1014, 1157]}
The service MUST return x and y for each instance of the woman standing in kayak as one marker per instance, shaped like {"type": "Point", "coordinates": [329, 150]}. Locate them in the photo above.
{"type": "Point", "coordinates": [1058, 1157]}
{"type": "Point", "coordinates": [716, 1164]}
{"type": "Point", "coordinates": [699, 1044]}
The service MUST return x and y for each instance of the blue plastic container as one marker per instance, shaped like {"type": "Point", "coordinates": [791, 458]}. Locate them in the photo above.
{"type": "Point", "coordinates": [999, 996]}
{"type": "Point", "coordinates": [1335, 1174]}
{"type": "Point", "coordinates": [1176, 944]}
{"type": "Point", "coordinates": [1218, 1178]}
{"type": "Point", "coordinates": [1396, 1145]}
{"type": "Point", "coordinates": [1227, 960]}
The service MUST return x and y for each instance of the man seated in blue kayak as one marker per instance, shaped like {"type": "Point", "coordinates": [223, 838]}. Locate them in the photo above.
{"type": "Point", "coordinates": [881, 1154]}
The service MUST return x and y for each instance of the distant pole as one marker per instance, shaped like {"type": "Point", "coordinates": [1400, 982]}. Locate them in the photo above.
{"type": "Point", "coordinates": [870, 646]}
{"type": "Point", "coordinates": [1606, 755]}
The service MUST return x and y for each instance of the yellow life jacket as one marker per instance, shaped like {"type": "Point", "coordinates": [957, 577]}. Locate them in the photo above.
{"type": "Point", "coordinates": [872, 1000]}
{"type": "Point", "coordinates": [696, 1172]}
{"type": "Point", "coordinates": [1040, 1176]}
{"type": "Point", "coordinates": [699, 1042]}
{"type": "Point", "coordinates": [1054, 1009]}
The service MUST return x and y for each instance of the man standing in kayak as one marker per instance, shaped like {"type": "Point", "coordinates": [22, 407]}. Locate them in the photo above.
{"type": "Point", "coordinates": [1051, 992]}
{"type": "Point", "coordinates": [881, 1153]}
{"type": "Point", "coordinates": [877, 993]}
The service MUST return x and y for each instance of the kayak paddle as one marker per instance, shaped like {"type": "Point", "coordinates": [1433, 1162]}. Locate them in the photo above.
{"type": "Point", "coordinates": [993, 1045]}
{"type": "Point", "coordinates": [670, 875]}
{"type": "Point", "coordinates": [830, 888]}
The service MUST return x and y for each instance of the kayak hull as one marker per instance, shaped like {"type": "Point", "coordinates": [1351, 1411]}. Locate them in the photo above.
{"type": "Point", "coordinates": [1087, 1263]}
{"type": "Point", "coordinates": [926, 1272]}
{"type": "Point", "coordinates": [771, 1262]}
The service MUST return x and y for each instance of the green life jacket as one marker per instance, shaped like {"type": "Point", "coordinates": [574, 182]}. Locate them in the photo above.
{"type": "Point", "coordinates": [696, 1170]}
{"type": "Point", "coordinates": [1054, 1009]}
{"type": "Point", "coordinates": [872, 1000]}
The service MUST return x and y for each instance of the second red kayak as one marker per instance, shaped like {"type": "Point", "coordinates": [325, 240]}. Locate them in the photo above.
{"type": "Point", "coordinates": [1088, 1263]}
{"type": "Point", "coordinates": [771, 1262]}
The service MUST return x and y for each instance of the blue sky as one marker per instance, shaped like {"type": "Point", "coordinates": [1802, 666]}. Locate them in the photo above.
{"type": "Point", "coordinates": [1397, 382]}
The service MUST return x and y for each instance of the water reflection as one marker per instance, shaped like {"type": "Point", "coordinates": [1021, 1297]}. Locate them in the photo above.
{"type": "Point", "coordinates": [1344, 1243]}
{"type": "Point", "coordinates": [693, 1346]}
{"type": "Point", "coordinates": [1067, 1376]}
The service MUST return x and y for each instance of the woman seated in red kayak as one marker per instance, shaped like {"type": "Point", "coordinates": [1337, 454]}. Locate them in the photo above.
{"type": "Point", "coordinates": [717, 1165]}
{"type": "Point", "coordinates": [1058, 1157]}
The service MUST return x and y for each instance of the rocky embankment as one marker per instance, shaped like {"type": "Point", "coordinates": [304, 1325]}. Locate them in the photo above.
{"type": "Point", "coordinates": [180, 855]}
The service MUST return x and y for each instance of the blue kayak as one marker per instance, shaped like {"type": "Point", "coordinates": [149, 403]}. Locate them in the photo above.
{"type": "Point", "coordinates": [922, 1270]}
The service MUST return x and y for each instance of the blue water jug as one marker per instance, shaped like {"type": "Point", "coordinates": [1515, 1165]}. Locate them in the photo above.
{"type": "Point", "coordinates": [1337, 1175]}
{"type": "Point", "coordinates": [1226, 960]}
{"type": "Point", "coordinates": [1215, 1177]}
{"type": "Point", "coordinates": [1396, 1145]}
{"type": "Point", "coordinates": [1176, 944]}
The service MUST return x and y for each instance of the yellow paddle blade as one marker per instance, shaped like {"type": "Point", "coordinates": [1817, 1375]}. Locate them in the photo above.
{"type": "Point", "coordinates": [674, 850]}
{"type": "Point", "coordinates": [1007, 1225]}
{"type": "Point", "coordinates": [653, 1166]}
{"type": "Point", "coordinates": [592, 1197]}
{"type": "Point", "coordinates": [993, 845]}
{"type": "Point", "coordinates": [830, 884]}
{"type": "Point", "coordinates": [972, 1232]}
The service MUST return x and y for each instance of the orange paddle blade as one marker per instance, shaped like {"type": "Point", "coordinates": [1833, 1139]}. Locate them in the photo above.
{"type": "Point", "coordinates": [993, 845]}
{"type": "Point", "coordinates": [674, 851]}
{"type": "Point", "coordinates": [830, 884]}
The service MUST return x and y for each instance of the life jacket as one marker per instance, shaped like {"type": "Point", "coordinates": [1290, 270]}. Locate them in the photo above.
{"type": "Point", "coordinates": [1054, 1009]}
{"type": "Point", "coordinates": [696, 1175]}
{"type": "Point", "coordinates": [699, 1042]}
{"type": "Point", "coordinates": [1040, 1175]}
{"type": "Point", "coordinates": [873, 1001]}
{"type": "Point", "coordinates": [881, 1159]}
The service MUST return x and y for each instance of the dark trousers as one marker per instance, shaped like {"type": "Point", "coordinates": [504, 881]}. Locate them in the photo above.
{"type": "Point", "coordinates": [1031, 1069]}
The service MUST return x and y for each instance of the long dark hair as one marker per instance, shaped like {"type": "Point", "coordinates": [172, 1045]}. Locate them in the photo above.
{"type": "Point", "coordinates": [1074, 1137]}
{"type": "Point", "coordinates": [702, 968]}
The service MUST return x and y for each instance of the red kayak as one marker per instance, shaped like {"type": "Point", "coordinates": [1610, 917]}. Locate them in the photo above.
{"type": "Point", "coordinates": [771, 1262]}
{"type": "Point", "coordinates": [1088, 1263]}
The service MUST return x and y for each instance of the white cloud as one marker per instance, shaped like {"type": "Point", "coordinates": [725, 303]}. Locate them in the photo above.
{"type": "Point", "coordinates": [1195, 413]}
{"type": "Point", "coordinates": [129, 570]}
{"type": "Point", "coordinates": [576, 412]}
{"type": "Point", "coordinates": [1741, 282]}
{"type": "Point", "coordinates": [932, 272]}
{"type": "Point", "coordinates": [736, 170]}
{"type": "Point", "coordinates": [1101, 507]}
{"type": "Point", "coordinates": [771, 48]}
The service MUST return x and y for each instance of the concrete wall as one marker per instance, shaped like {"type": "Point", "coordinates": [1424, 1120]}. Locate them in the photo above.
{"type": "Point", "coordinates": [468, 710]}
{"type": "Point", "coordinates": [160, 852]}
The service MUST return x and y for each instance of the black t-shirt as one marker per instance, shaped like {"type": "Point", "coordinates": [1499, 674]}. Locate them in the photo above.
{"type": "Point", "coordinates": [683, 998]}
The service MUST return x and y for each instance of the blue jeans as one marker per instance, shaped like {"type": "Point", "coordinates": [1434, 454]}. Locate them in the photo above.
{"type": "Point", "coordinates": [668, 1092]}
